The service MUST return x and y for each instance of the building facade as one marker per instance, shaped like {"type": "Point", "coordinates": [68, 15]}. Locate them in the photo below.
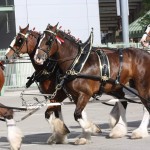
{"type": "Point", "coordinates": [7, 23]}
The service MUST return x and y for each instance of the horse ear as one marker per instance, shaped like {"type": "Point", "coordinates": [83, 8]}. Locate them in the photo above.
{"type": "Point", "coordinates": [27, 27]}
{"type": "Point", "coordinates": [48, 27]}
{"type": "Point", "coordinates": [19, 28]}
{"type": "Point", "coordinates": [55, 27]}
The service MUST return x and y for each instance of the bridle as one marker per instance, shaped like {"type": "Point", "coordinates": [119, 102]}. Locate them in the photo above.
{"type": "Point", "coordinates": [25, 41]}
{"type": "Point", "coordinates": [53, 37]}
{"type": "Point", "coordinates": [50, 42]}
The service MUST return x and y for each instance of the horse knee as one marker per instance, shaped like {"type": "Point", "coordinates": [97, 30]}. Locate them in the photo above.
{"type": "Point", "coordinates": [77, 115]}
{"type": "Point", "coordinates": [47, 114]}
{"type": "Point", "coordinates": [7, 113]}
{"type": "Point", "coordinates": [124, 104]}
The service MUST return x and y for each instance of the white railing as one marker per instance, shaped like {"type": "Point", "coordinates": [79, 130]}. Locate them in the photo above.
{"type": "Point", "coordinates": [16, 74]}
{"type": "Point", "coordinates": [122, 45]}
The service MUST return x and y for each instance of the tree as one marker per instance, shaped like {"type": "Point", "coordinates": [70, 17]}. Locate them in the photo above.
{"type": "Point", "coordinates": [145, 13]}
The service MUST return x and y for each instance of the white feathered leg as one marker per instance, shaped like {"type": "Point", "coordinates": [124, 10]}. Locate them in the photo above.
{"type": "Point", "coordinates": [95, 128]}
{"type": "Point", "coordinates": [120, 128]}
{"type": "Point", "coordinates": [114, 115]}
{"type": "Point", "coordinates": [59, 131]}
{"type": "Point", "coordinates": [86, 132]}
{"type": "Point", "coordinates": [88, 128]}
{"type": "Point", "coordinates": [14, 134]}
{"type": "Point", "coordinates": [142, 130]}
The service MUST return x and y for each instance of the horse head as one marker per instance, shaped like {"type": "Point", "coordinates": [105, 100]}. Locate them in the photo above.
{"type": "Point", "coordinates": [146, 37]}
{"type": "Point", "coordinates": [57, 45]}
{"type": "Point", "coordinates": [24, 42]}
{"type": "Point", "coordinates": [46, 44]}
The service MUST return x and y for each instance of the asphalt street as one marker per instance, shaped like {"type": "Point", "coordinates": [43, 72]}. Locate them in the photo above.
{"type": "Point", "coordinates": [36, 130]}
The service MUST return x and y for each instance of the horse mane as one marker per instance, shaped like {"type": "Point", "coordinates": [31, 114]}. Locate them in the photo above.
{"type": "Point", "coordinates": [68, 37]}
{"type": "Point", "coordinates": [36, 34]}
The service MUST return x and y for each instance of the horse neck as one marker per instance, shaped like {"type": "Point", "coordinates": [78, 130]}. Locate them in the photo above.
{"type": "Point", "coordinates": [66, 54]}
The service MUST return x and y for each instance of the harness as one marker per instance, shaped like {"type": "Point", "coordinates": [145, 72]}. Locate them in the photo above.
{"type": "Point", "coordinates": [81, 58]}
{"type": "Point", "coordinates": [74, 70]}
{"type": "Point", "coordinates": [103, 65]}
{"type": "Point", "coordinates": [42, 75]}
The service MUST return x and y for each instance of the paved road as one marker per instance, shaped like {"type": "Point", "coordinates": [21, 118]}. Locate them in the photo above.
{"type": "Point", "coordinates": [36, 129]}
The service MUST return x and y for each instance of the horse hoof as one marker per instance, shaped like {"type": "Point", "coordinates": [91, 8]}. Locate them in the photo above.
{"type": "Point", "coordinates": [118, 131]}
{"type": "Point", "coordinates": [57, 139]}
{"type": "Point", "coordinates": [15, 137]}
{"type": "Point", "coordinates": [96, 129]}
{"type": "Point", "coordinates": [139, 134]}
{"type": "Point", "coordinates": [81, 141]}
{"type": "Point", "coordinates": [51, 140]}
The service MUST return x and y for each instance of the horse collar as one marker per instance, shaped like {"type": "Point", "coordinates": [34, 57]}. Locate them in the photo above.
{"type": "Point", "coordinates": [81, 58]}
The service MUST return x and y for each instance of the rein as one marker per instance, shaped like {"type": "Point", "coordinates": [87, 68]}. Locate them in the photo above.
{"type": "Point", "coordinates": [97, 78]}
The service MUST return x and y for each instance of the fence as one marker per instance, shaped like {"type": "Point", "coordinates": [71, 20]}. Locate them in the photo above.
{"type": "Point", "coordinates": [16, 74]}
{"type": "Point", "coordinates": [122, 45]}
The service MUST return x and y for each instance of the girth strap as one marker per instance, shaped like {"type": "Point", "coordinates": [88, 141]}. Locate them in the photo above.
{"type": "Point", "coordinates": [104, 65]}
{"type": "Point", "coordinates": [120, 66]}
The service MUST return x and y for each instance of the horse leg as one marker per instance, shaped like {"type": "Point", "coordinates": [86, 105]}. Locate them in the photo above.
{"type": "Point", "coordinates": [142, 130]}
{"type": "Point", "coordinates": [84, 123]}
{"type": "Point", "coordinates": [95, 128]}
{"type": "Point", "coordinates": [59, 130]}
{"type": "Point", "coordinates": [14, 133]}
{"type": "Point", "coordinates": [120, 128]}
{"type": "Point", "coordinates": [115, 114]}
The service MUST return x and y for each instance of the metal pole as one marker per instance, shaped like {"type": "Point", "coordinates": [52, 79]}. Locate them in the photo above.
{"type": "Point", "coordinates": [125, 21]}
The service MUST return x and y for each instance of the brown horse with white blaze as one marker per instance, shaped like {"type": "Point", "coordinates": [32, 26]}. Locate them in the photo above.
{"type": "Point", "coordinates": [26, 41]}
{"type": "Point", "coordinates": [127, 64]}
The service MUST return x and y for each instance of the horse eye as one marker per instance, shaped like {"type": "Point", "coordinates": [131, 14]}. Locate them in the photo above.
{"type": "Point", "coordinates": [50, 40]}
{"type": "Point", "coordinates": [20, 41]}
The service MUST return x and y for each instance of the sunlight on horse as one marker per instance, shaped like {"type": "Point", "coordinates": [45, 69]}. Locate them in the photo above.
{"type": "Point", "coordinates": [82, 89]}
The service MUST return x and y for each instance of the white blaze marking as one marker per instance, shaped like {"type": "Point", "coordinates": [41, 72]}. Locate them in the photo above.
{"type": "Point", "coordinates": [41, 40]}
{"type": "Point", "coordinates": [12, 44]}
